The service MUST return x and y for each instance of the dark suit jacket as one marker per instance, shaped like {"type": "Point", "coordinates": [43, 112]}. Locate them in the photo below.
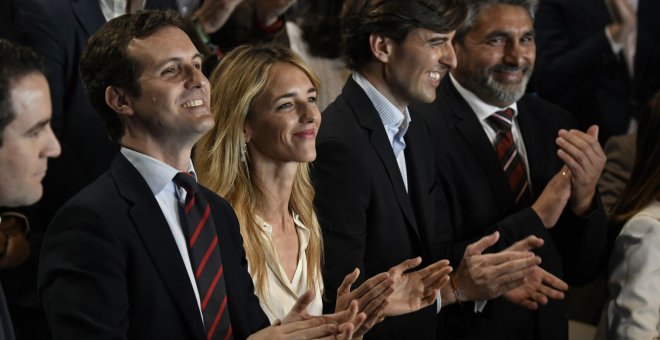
{"type": "Point", "coordinates": [479, 201]}
{"type": "Point", "coordinates": [576, 68]}
{"type": "Point", "coordinates": [58, 30]}
{"type": "Point", "coordinates": [368, 219]}
{"type": "Point", "coordinates": [110, 268]}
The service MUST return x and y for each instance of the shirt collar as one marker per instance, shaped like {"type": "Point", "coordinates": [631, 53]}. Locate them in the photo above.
{"type": "Point", "coordinates": [157, 174]}
{"type": "Point", "coordinates": [482, 109]}
{"type": "Point", "coordinates": [388, 112]}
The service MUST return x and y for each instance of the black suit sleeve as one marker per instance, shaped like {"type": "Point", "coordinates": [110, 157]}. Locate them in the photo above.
{"type": "Point", "coordinates": [342, 198]}
{"type": "Point", "coordinates": [84, 297]}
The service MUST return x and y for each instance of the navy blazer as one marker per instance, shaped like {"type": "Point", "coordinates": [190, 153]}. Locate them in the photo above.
{"type": "Point", "coordinates": [110, 268]}
{"type": "Point", "coordinates": [368, 219]}
{"type": "Point", "coordinates": [478, 201]}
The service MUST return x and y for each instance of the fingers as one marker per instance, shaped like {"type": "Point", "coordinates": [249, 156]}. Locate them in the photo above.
{"type": "Point", "coordinates": [299, 309]}
{"type": "Point", "coordinates": [375, 296]}
{"type": "Point", "coordinates": [349, 279]}
{"type": "Point", "coordinates": [375, 285]}
{"type": "Point", "coordinates": [553, 281]}
{"type": "Point", "coordinates": [438, 278]}
{"type": "Point", "coordinates": [528, 243]}
{"type": "Point", "coordinates": [404, 266]}
{"type": "Point", "coordinates": [580, 151]}
{"type": "Point", "coordinates": [309, 329]}
{"type": "Point", "coordinates": [478, 247]}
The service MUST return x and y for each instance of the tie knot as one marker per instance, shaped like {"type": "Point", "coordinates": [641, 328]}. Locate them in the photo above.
{"type": "Point", "coordinates": [501, 120]}
{"type": "Point", "coordinates": [186, 181]}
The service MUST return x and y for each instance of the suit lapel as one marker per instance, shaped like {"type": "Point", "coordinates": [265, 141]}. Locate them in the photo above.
{"type": "Point", "coordinates": [368, 118]}
{"type": "Point", "coordinates": [89, 15]}
{"type": "Point", "coordinates": [470, 129]}
{"type": "Point", "coordinates": [150, 223]}
{"type": "Point", "coordinates": [535, 147]}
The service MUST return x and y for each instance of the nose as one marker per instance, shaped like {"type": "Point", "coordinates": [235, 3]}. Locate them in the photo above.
{"type": "Point", "coordinates": [448, 56]}
{"type": "Point", "coordinates": [514, 54]}
{"type": "Point", "coordinates": [310, 113]}
{"type": "Point", "coordinates": [51, 147]}
{"type": "Point", "coordinates": [195, 77]}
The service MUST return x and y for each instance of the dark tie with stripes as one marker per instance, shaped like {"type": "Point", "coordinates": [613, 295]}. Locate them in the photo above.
{"type": "Point", "coordinates": [512, 162]}
{"type": "Point", "coordinates": [202, 240]}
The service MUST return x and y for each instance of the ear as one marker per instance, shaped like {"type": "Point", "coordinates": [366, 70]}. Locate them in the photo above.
{"type": "Point", "coordinates": [119, 100]}
{"type": "Point", "coordinates": [381, 47]}
{"type": "Point", "coordinates": [247, 131]}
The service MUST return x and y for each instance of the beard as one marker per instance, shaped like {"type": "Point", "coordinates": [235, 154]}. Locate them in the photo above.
{"type": "Point", "coordinates": [492, 91]}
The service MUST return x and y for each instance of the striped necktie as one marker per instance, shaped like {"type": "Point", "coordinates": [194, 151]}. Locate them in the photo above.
{"type": "Point", "coordinates": [202, 241]}
{"type": "Point", "coordinates": [512, 162]}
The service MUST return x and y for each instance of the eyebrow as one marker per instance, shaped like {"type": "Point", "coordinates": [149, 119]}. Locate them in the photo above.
{"type": "Point", "coordinates": [290, 94]}
{"type": "Point", "coordinates": [179, 59]}
{"type": "Point", "coordinates": [38, 126]}
{"type": "Point", "coordinates": [506, 34]}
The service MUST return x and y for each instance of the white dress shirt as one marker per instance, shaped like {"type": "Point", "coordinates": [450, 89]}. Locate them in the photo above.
{"type": "Point", "coordinates": [483, 110]}
{"type": "Point", "coordinates": [395, 122]}
{"type": "Point", "coordinates": [282, 294]}
{"type": "Point", "coordinates": [634, 282]}
{"type": "Point", "coordinates": [158, 176]}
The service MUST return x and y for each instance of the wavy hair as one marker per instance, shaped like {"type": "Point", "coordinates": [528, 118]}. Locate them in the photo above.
{"type": "Point", "coordinates": [644, 184]}
{"type": "Point", "coordinates": [239, 79]}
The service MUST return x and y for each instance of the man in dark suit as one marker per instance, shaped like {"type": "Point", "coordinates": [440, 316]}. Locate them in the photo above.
{"type": "Point", "coordinates": [26, 143]}
{"type": "Point", "coordinates": [376, 189]}
{"type": "Point", "coordinates": [58, 30]}
{"type": "Point", "coordinates": [600, 64]}
{"type": "Point", "coordinates": [512, 163]}
{"type": "Point", "coordinates": [121, 259]}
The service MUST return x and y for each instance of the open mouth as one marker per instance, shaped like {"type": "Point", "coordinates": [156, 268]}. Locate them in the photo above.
{"type": "Point", "coordinates": [193, 103]}
{"type": "Point", "coordinates": [435, 75]}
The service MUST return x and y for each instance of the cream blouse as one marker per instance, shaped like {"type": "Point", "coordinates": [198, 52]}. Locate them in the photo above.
{"type": "Point", "coordinates": [282, 294]}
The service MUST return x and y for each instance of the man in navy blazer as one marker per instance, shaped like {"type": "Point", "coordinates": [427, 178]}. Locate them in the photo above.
{"type": "Point", "coordinates": [115, 261]}
{"type": "Point", "coordinates": [376, 188]}
{"type": "Point", "coordinates": [495, 50]}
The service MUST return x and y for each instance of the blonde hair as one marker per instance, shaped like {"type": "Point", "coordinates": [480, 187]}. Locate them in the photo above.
{"type": "Point", "coordinates": [241, 77]}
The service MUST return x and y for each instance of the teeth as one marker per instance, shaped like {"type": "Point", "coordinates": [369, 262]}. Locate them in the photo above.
{"type": "Point", "coordinates": [434, 75]}
{"type": "Point", "coordinates": [193, 103]}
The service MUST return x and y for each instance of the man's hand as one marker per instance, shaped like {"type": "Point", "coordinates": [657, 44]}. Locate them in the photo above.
{"type": "Point", "coordinates": [371, 296]}
{"type": "Point", "coordinates": [315, 328]}
{"type": "Point", "coordinates": [537, 289]}
{"type": "Point", "coordinates": [553, 199]}
{"type": "Point", "coordinates": [583, 155]}
{"type": "Point", "coordinates": [345, 322]}
{"type": "Point", "coordinates": [269, 10]}
{"type": "Point", "coordinates": [417, 289]}
{"type": "Point", "coordinates": [484, 277]}
{"type": "Point", "coordinates": [214, 13]}
{"type": "Point", "coordinates": [624, 19]}
{"type": "Point", "coordinates": [14, 246]}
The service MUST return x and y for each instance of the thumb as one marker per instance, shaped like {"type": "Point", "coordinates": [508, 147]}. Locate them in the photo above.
{"type": "Point", "coordinates": [478, 247]}
{"type": "Point", "coordinates": [593, 131]}
{"type": "Point", "coordinates": [349, 279]}
{"type": "Point", "coordinates": [404, 266]}
{"type": "Point", "coordinates": [303, 302]}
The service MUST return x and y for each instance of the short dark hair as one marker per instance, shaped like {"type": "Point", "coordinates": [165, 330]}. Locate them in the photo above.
{"type": "Point", "coordinates": [474, 7]}
{"type": "Point", "coordinates": [106, 61]}
{"type": "Point", "coordinates": [394, 19]}
{"type": "Point", "coordinates": [16, 62]}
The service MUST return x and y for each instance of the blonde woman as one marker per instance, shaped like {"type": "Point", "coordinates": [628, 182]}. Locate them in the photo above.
{"type": "Point", "coordinates": [264, 101]}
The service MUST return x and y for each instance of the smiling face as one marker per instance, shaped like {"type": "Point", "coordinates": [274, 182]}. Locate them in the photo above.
{"type": "Point", "coordinates": [173, 105]}
{"type": "Point", "coordinates": [496, 58]}
{"type": "Point", "coordinates": [28, 142]}
{"type": "Point", "coordinates": [415, 67]}
{"type": "Point", "coordinates": [283, 123]}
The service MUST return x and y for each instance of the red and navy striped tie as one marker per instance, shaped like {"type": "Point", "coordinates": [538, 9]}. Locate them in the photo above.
{"type": "Point", "coordinates": [202, 240]}
{"type": "Point", "coordinates": [512, 162]}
